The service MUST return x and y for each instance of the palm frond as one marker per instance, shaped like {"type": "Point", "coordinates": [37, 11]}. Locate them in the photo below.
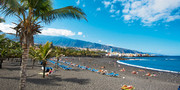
{"type": "Point", "coordinates": [44, 51]}
{"type": "Point", "coordinates": [12, 7]}
{"type": "Point", "coordinates": [66, 12]}
{"type": "Point", "coordinates": [2, 20]}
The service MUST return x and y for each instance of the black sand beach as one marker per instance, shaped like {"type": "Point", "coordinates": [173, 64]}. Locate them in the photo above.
{"type": "Point", "coordinates": [78, 79]}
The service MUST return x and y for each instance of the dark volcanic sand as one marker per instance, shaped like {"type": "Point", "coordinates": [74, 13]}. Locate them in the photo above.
{"type": "Point", "coordinates": [78, 79]}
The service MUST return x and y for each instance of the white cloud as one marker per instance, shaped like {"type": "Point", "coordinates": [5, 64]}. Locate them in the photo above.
{"type": "Point", "coordinates": [172, 18]}
{"type": "Point", "coordinates": [106, 3]}
{"type": "Point", "coordinates": [112, 10]}
{"type": "Point", "coordinates": [149, 11]}
{"type": "Point", "coordinates": [117, 12]}
{"type": "Point", "coordinates": [78, 2]}
{"type": "Point", "coordinates": [114, 1]}
{"type": "Point", "coordinates": [112, 16]}
{"type": "Point", "coordinates": [127, 17]}
{"type": "Point", "coordinates": [99, 41]}
{"type": "Point", "coordinates": [57, 32]}
{"type": "Point", "coordinates": [47, 31]}
{"type": "Point", "coordinates": [84, 5]}
{"type": "Point", "coordinates": [7, 28]}
{"type": "Point", "coordinates": [80, 33]}
{"type": "Point", "coordinates": [146, 11]}
{"type": "Point", "coordinates": [98, 9]}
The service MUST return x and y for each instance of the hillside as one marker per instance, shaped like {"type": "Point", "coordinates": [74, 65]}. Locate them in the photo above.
{"type": "Point", "coordinates": [68, 42]}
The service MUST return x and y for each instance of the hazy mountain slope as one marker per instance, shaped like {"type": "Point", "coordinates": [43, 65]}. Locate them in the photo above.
{"type": "Point", "coordinates": [68, 42]}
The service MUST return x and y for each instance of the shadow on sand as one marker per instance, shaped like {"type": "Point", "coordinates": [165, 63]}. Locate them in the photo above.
{"type": "Point", "coordinates": [51, 80]}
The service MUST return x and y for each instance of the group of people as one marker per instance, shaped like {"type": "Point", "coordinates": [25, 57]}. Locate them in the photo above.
{"type": "Point", "coordinates": [103, 71]}
{"type": "Point", "coordinates": [147, 74]}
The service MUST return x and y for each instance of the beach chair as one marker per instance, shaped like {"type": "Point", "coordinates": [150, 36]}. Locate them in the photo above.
{"type": "Point", "coordinates": [92, 70]}
{"type": "Point", "coordinates": [89, 69]}
{"type": "Point", "coordinates": [116, 75]}
{"type": "Point", "coordinates": [79, 66]}
{"type": "Point", "coordinates": [109, 74]}
{"type": "Point", "coordinates": [83, 67]}
{"type": "Point", "coordinates": [96, 70]}
{"type": "Point", "coordinates": [67, 68]}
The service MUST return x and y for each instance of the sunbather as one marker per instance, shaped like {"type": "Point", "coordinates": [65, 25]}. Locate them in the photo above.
{"type": "Point", "coordinates": [141, 70]}
{"type": "Point", "coordinates": [148, 74]}
{"type": "Point", "coordinates": [102, 67]}
{"type": "Point", "coordinates": [134, 72]}
{"type": "Point", "coordinates": [122, 70]}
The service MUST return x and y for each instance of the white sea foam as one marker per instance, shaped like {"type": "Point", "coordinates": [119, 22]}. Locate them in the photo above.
{"type": "Point", "coordinates": [139, 59]}
{"type": "Point", "coordinates": [170, 59]}
{"type": "Point", "coordinates": [146, 67]}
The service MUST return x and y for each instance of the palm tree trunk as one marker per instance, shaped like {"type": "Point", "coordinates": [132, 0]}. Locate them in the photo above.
{"type": "Point", "coordinates": [33, 63]}
{"type": "Point", "coordinates": [1, 61]}
{"type": "Point", "coordinates": [57, 63]}
{"type": "Point", "coordinates": [20, 61]}
{"type": "Point", "coordinates": [23, 66]}
{"type": "Point", "coordinates": [44, 66]}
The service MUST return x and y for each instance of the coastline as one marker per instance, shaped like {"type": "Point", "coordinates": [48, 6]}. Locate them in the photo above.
{"type": "Point", "coordinates": [160, 70]}
{"type": "Point", "coordinates": [113, 66]}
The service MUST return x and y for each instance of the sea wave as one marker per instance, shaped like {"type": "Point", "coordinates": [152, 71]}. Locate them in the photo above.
{"type": "Point", "coordinates": [147, 67]}
{"type": "Point", "coordinates": [139, 59]}
{"type": "Point", "coordinates": [170, 59]}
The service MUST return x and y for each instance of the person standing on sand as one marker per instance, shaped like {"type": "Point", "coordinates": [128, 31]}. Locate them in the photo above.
{"type": "Point", "coordinates": [114, 64]}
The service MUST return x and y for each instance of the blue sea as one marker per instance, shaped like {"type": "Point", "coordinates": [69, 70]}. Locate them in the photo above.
{"type": "Point", "coordinates": [163, 63]}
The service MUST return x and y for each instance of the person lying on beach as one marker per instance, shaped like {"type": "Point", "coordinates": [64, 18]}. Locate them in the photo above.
{"type": "Point", "coordinates": [140, 70]}
{"type": "Point", "coordinates": [148, 74]}
{"type": "Point", "coordinates": [100, 71]}
{"type": "Point", "coordinates": [102, 67]}
{"type": "Point", "coordinates": [134, 72]}
{"type": "Point", "coordinates": [87, 67]}
{"type": "Point", "coordinates": [123, 70]}
{"type": "Point", "coordinates": [73, 64]}
{"type": "Point", "coordinates": [104, 72]}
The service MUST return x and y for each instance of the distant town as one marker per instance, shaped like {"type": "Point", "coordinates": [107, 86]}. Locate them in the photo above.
{"type": "Point", "coordinates": [111, 53]}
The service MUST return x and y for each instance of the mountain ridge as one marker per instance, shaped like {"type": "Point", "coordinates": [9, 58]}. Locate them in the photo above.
{"type": "Point", "coordinates": [68, 42]}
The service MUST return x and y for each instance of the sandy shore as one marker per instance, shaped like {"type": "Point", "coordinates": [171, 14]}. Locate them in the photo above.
{"type": "Point", "coordinates": [77, 79]}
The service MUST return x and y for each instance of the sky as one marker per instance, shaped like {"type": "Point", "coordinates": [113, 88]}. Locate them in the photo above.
{"type": "Point", "coordinates": [151, 26]}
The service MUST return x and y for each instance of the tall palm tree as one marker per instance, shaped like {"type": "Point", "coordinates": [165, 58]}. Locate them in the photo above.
{"type": "Point", "coordinates": [44, 54]}
{"type": "Point", "coordinates": [30, 14]}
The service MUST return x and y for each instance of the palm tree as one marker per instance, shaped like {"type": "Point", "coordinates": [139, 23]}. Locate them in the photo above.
{"type": "Point", "coordinates": [30, 14]}
{"type": "Point", "coordinates": [3, 50]}
{"type": "Point", "coordinates": [33, 52]}
{"type": "Point", "coordinates": [58, 54]}
{"type": "Point", "coordinates": [44, 54]}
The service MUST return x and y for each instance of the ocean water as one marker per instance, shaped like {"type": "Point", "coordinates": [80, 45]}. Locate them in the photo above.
{"type": "Point", "coordinates": [164, 63]}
